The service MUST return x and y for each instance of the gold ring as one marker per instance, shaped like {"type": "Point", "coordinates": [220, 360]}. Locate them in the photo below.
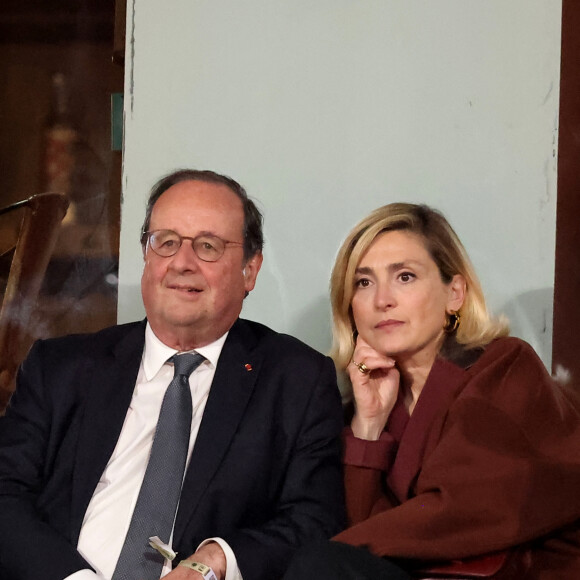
{"type": "Point", "coordinates": [361, 367]}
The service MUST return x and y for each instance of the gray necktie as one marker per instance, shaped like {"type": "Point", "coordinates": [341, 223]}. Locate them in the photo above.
{"type": "Point", "coordinates": [156, 505]}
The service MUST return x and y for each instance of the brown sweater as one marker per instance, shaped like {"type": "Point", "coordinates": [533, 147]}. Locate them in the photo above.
{"type": "Point", "coordinates": [489, 459]}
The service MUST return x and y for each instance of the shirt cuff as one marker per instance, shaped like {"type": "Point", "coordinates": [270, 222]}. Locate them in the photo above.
{"type": "Point", "coordinates": [232, 570]}
{"type": "Point", "coordinates": [85, 575]}
{"type": "Point", "coordinates": [378, 454]}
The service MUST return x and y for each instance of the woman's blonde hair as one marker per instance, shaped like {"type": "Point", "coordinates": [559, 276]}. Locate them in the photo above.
{"type": "Point", "coordinates": [477, 327]}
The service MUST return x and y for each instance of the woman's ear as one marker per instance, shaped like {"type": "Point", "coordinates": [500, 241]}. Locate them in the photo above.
{"type": "Point", "coordinates": [457, 289]}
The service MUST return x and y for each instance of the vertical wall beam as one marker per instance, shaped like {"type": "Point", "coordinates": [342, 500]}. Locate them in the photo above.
{"type": "Point", "coordinates": [566, 337]}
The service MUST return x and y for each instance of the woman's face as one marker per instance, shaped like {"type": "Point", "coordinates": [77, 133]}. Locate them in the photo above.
{"type": "Point", "coordinates": [399, 301]}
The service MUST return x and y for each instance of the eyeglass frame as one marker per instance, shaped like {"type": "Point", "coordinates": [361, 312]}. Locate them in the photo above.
{"type": "Point", "coordinates": [146, 241]}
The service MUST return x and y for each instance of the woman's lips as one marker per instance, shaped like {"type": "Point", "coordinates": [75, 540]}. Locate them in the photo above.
{"type": "Point", "coordinates": [389, 324]}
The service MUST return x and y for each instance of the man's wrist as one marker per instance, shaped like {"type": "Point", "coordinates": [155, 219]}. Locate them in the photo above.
{"type": "Point", "coordinates": [203, 569]}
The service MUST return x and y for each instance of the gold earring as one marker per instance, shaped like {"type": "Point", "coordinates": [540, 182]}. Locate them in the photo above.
{"type": "Point", "coordinates": [453, 320]}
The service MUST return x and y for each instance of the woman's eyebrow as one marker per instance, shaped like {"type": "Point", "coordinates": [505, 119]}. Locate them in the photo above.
{"type": "Point", "coordinates": [366, 270]}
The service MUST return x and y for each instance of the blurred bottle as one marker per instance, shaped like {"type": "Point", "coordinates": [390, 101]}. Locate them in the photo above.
{"type": "Point", "coordinates": [59, 144]}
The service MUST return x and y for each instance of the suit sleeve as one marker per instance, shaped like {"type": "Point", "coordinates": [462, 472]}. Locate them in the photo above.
{"type": "Point", "coordinates": [506, 470]}
{"type": "Point", "coordinates": [30, 548]}
{"type": "Point", "coordinates": [311, 503]}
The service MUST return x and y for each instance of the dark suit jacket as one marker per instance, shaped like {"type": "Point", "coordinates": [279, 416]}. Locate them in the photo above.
{"type": "Point", "coordinates": [264, 472]}
{"type": "Point", "coordinates": [489, 460]}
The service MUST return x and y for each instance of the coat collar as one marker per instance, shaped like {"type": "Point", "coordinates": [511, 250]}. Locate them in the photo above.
{"type": "Point", "coordinates": [446, 380]}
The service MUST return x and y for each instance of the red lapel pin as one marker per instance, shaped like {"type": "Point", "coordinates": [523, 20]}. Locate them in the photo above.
{"type": "Point", "coordinates": [248, 366]}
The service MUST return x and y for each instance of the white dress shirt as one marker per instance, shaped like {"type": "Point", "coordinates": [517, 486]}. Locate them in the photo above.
{"type": "Point", "coordinates": [109, 512]}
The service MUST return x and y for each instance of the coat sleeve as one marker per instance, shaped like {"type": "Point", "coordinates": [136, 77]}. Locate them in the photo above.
{"type": "Point", "coordinates": [506, 470]}
{"type": "Point", "coordinates": [30, 548]}
{"type": "Point", "coordinates": [365, 465]}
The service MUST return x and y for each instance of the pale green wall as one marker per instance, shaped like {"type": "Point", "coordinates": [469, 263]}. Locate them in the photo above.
{"type": "Point", "coordinates": [326, 109]}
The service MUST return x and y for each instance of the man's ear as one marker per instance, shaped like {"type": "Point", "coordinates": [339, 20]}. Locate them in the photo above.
{"type": "Point", "coordinates": [250, 271]}
{"type": "Point", "coordinates": [457, 289]}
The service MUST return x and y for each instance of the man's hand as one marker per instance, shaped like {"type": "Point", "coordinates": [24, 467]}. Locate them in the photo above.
{"type": "Point", "coordinates": [211, 555]}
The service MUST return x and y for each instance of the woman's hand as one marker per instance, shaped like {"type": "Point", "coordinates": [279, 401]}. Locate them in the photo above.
{"type": "Point", "coordinates": [375, 392]}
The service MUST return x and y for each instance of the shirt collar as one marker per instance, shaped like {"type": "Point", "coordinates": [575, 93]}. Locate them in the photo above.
{"type": "Point", "coordinates": [156, 353]}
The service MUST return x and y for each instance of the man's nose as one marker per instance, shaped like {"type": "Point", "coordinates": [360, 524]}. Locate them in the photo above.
{"type": "Point", "coordinates": [185, 258]}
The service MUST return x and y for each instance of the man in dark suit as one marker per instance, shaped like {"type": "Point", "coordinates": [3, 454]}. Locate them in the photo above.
{"type": "Point", "coordinates": [77, 442]}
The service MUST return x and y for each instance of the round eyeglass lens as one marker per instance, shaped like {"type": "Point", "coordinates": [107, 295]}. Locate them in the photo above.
{"type": "Point", "coordinates": [208, 248]}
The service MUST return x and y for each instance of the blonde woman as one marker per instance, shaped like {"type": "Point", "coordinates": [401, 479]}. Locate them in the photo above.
{"type": "Point", "coordinates": [460, 443]}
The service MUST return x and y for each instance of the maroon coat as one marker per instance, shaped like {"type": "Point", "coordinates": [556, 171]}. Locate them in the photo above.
{"type": "Point", "coordinates": [489, 459]}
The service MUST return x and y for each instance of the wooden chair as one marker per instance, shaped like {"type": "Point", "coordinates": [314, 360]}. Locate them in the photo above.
{"type": "Point", "coordinates": [34, 244]}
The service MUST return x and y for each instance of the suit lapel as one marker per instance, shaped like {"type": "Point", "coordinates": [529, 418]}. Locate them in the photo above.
{"type": "Point", "coordinates": [110, 382]}
{"type": "Point", "coordinates": [231, 389]}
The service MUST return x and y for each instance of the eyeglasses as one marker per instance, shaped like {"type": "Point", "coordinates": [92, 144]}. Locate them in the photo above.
{"type": "Point", "coordinates": [207, 247]}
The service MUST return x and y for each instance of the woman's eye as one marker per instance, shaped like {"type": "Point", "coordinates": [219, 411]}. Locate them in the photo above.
{"type": "Point", "coordinates": [406, 277]}
{"type": "Point", "coordinates": [362, 283]}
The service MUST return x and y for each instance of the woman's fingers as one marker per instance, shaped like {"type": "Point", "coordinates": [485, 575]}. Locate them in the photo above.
{"type": "Point", "coordinates": [365, 359]}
